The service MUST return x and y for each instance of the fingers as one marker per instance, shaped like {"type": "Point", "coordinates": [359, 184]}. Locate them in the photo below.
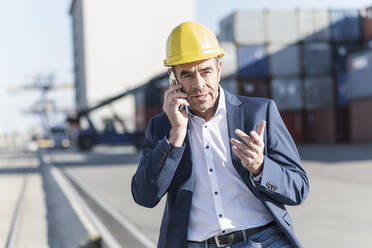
{"type": "Point", "coordinates": [176, 95]}
{"type": "Point", "coordinates": [180, 102]}
{"type": "Point", "coordinates": [240, 154]}
{"type": "Point", "coordinates": [249, 150]}
{"type": "Point", "coordinates": [257, 138]}
{"type": "Point", "coordinates": [173, 93]}
{"type": "Point", "coordinates": [172, 88]}
{"type": "Point", "coordinates": [261, 128]}
{"type": "Point", "coordinates": [247, 162]}
{"type": "Point", "coordinates": [250, 141]}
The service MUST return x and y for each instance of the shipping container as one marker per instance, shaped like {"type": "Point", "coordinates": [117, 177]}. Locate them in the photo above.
{"type": "Point", "coordinates": [342, 89]}
{"type": "Point", "coordinates": [252, 61]}
{"type": "Point", "coordinates": [148, 102]}
{"type": "Point", "coordinates": [367, 24]}
{"type": "Point", "coordinates": [230, 59]}
{"type": "Point", "coordinates": [317, 58]}
{"type": "Point", "coordinates": [305, 24]}
{"type": "Point", "coordinates": [139, 99]}
{"type": "Point", "coordinates": [313, 25]}
{"type": "Point", "coordinates": [284, 60]}
{"type": "Point", "coordinates": [322, 31]}
{"type": "Point", "coordinates": [287, 93]}
{"type": "Point", "coordinates": [345, 25]}
{"type": "Point", "coordinates": [294, 121]}
{"type": "Point", "coordinates": [320, 126]}
{"type": "Point", "coordinates": [341, 51]}
{"type": "Point", "coordinates": [319, 92]}
{"type": "Point", "coordinates": [153, 95]}
{"type": "Point", "coordinates": [360, 74]}
{"type": "Point", "coordinates": [230, 84]}
{"type": "Point", "coordinates": [140, 118]}
{"type": "Point", "coordinates": [144, 114]}
{"type": "Point", "coordinates": [254, 87]}
{"type": "Point", "coordinates": [244, 27]}
{"type": "Point", "coordinates": [282, 26]}
{"type": "Point", "coordinates": [361, 120]}
{"type": "Point", "coordinates": [163, 84]}
{"type": "Point", "coordinates": [343, 124]}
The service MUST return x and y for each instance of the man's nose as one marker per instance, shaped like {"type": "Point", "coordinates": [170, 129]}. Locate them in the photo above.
{"type": "Point", "coordinates": [199, 82]}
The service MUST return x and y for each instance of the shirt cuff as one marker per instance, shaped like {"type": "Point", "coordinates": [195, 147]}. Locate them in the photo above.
{"type": "Point", "coordinates": [258, 177]}
{"type": "Point", "coordinates": [175, 150]}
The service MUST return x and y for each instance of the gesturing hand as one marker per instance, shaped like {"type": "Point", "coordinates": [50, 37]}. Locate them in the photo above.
{"type": "Point", "coordinates": [251, 152]}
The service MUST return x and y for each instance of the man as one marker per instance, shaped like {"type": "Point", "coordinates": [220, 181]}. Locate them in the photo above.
{"type": "Point", "coordinates": [227, 185]}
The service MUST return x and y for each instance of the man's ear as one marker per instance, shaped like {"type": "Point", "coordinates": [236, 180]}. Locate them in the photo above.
{"type": "Point", "coordinates": [169, 71]}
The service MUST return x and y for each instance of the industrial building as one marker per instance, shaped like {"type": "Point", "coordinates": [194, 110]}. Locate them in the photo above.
{"type": "Point", "coordinates": [119, 45]}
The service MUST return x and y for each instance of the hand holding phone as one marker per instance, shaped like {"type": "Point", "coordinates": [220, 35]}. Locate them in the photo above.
{"type": "Point", "coordinates": [172, 77]}
{"type": "Point", "coordinates": [174, 107]}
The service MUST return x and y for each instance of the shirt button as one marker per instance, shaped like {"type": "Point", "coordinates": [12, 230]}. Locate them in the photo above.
{"type": "Point", "coordinates": [211, 170]}
{"type": "Point", "coordinates": [223, 231]}
{"type": "Point", "coordinates": [205, 126]}
{"type": "Point", "coordinates": [220, 215]}
{"type": "Point", "coordinates": [216, 193]}
{"type": "Point", "coordinates": [207, 147]}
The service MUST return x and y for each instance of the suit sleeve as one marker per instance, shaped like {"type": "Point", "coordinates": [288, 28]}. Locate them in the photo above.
{"type": "Point", "coordinates": [283, 177]}
{"type": "Point", "coordinates": [156, 169]}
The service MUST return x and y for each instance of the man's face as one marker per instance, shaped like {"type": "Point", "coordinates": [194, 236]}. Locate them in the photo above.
{"type": "Point", "coordinates": [200, 82]}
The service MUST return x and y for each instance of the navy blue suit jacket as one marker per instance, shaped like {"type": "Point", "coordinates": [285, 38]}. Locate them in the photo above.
{"type": "Point", "coordinates": [164, 169]}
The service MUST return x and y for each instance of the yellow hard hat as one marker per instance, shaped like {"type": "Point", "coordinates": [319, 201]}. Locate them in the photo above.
{"type": "Point", "coordinates": [189, 42]}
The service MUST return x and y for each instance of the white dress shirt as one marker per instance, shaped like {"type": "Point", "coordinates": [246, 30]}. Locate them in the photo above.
{"type": "Point", "coordinates": [221, 202]}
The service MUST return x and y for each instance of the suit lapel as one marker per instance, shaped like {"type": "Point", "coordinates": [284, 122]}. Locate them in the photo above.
{"type": "Point", "coordinates": [187, 163]}
{"type": "Point", "coordinates": [235, 120]}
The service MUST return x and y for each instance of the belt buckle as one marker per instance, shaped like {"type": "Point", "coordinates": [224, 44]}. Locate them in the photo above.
{"type": "Point", "coordinates": [218, 242]}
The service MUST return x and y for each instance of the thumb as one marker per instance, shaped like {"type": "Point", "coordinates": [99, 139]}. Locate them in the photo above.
{"type": "Point", "coordinates": [261, 128]}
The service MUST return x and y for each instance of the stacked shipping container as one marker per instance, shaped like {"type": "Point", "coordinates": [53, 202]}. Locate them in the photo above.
{"type": "Point", "coordinates": [298, 58]}
{"type": "Point", "coordinates": [360, 76]}
{"type": "Point", "coordinates": [244, 30]}
{"type": "Point", "coordinates": [148, 102]}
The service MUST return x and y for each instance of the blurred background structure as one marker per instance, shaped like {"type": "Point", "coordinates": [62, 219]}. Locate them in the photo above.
{"type": "Point", "coordinates": [298, 57]}
{"type": "Point", "coordinates": [83, 75]}
{"type": "Point", "coordinates": [311, 58]}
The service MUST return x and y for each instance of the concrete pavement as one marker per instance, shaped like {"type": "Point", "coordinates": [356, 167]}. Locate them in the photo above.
{"type": "Point", "coordinates": [336, 213]}
{"type": "Point", "coordinates": [22, 207]}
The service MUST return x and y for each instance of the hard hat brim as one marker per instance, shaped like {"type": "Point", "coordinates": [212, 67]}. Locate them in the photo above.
{"type": "Point", "coordinates": [192, 57]}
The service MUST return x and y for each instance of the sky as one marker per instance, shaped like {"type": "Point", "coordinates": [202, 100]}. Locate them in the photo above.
{"type": "Point", "coordinates": [36, 38]}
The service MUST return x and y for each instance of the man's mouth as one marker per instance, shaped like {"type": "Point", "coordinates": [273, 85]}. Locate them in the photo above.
{"type": "Point", "coordinates": [200, 97]}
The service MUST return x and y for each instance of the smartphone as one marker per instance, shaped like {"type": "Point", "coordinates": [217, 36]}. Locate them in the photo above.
{"type": "Point", "coordinates": [172, 77]}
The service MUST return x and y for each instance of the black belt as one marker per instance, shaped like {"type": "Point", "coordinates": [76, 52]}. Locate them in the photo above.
{"type": "Point", "coordinates": [234, 237]}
